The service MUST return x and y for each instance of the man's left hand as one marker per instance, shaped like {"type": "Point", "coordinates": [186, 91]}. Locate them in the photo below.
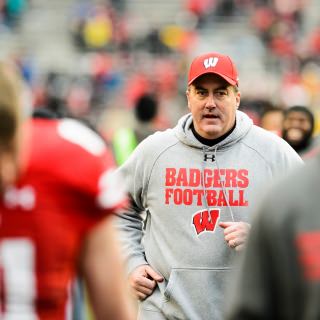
{"type": "Point", "coordinates": [235, 233]}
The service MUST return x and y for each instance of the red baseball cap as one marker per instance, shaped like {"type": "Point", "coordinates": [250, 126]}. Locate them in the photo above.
{"type": "Point", "coordinates": [213, 63]}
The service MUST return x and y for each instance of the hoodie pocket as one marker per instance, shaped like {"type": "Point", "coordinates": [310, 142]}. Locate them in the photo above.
{"type": "Point", "coordinates": [195, 293]}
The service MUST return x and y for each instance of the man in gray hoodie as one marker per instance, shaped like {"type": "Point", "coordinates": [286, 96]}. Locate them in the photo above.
{"type": "Point", "coordinates": [197, 183]}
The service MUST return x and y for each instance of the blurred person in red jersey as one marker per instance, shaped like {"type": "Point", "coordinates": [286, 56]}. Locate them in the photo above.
{"type": "Point", "coordinates": [59, 192]}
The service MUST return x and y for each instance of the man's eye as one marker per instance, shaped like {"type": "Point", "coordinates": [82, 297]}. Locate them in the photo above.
{"type": "Point", "coordinates": [202, 93]}
{"type": "Point", "coordinates": [221, 93]}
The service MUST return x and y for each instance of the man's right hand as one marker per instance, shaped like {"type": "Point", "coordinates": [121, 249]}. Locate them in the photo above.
{"type": "Point", "coordinates": [143, 280]}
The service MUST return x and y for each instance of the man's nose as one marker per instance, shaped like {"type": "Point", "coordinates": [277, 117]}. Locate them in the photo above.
{"type": "Point", "coordinates": [210, 102]}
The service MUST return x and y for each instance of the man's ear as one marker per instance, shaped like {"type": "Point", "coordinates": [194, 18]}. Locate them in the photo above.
{"type": "Point", "coordinates": [188, 97]}
{"type": "Point", "coordinates": [238, 99]}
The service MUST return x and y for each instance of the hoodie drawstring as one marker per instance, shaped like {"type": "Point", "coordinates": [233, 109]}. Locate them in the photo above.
{"type": "Point", "coordinates": [204, 149]}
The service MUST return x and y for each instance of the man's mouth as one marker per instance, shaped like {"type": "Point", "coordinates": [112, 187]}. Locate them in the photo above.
{"type": "Point", "coordinates": [211, 116]}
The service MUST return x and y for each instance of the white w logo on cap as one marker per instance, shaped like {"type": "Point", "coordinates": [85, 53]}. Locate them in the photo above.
{"type": "Point", "coordinates": [210, 62]}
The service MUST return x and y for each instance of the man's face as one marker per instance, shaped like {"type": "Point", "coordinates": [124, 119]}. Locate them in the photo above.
{"type": "Point", "coordinates": [297, 129]}
{"type": "Point", "coordinates": [213, 103]}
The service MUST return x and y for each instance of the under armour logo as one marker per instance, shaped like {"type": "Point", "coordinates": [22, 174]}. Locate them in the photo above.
{"type": "Point", "coordinates": [209, 156]}
{"type": "Point", "coordinates": [210, 62]}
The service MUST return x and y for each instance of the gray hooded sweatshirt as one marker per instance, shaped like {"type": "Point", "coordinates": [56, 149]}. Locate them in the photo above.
{"type": "Point", "coordinates": [187, 188]}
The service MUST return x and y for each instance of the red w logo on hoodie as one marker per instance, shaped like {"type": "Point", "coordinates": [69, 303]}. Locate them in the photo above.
{"type": "Point", "coordinates": [206, 220]}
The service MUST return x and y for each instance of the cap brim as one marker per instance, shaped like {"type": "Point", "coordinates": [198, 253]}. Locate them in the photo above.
{"type": "Point", "coordinates": [228, 79]}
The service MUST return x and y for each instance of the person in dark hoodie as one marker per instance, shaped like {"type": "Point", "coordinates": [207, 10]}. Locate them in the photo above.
{"type": "Point", "coordinates": [198, 183]}
{"type": "Point", "coordinates": [279, 275]}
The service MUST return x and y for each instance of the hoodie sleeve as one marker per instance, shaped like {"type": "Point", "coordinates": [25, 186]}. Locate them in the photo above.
{"type": "Point", "coordinates": [130, 221]}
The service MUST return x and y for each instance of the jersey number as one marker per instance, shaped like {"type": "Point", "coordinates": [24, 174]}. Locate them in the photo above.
{"type": "Point", "coordinates": [17, 270]}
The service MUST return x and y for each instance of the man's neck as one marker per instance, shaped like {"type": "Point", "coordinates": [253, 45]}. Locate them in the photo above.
{"type": "Point", "coordinates": [210, 142]}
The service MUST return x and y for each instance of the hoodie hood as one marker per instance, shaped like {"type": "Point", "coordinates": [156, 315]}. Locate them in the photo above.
{"type": "Point", "coordinates": [184, 133]}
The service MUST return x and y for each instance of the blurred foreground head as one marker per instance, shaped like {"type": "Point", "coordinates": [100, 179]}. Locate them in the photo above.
{"type": "Point", "coordinates": [10, 118]}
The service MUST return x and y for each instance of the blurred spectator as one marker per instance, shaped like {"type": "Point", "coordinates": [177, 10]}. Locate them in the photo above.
{"type": "Point", "coordinates": [200, 9]}
{"type": "Point", "coordinates": [314, 42]}
{"type": "Point", "coordinates": [254, 108]}
{"type": "Point", "coordinates": [125, 140]}
{"type": "Point", "coordinates": [177, 38]}
{"type": "Point", "coordinates": [282, 43]}
{"type": "Point", "coordinates": [119, 5]}
{"type": "Point", "coordinates": [145, 112]}
{"type": "Point", "coordinates": [272, 120]}
{"type": "Point", "coordinates": [13, 10]}
{"type": "Point", "coordinates": [136, 85]}
{"type": "Point", "coordinates": [153, 43]}
{"type": "Point", "coordinates": [97, 31]}
{"type": "Point", "coordinates": [56, 87]}
{"type": "Point", "coordinates": [26, 63]}
{"type": "Point", "coordinates": [78, 97]}
{"type": "Point", "coordinates": [226, 8]}
{"type": "Point", "coordinates": [262, 19]}
{"type": "Point", "coordinates": [92, 26]}
{"type": "Point", "coordinates": [298, 129]}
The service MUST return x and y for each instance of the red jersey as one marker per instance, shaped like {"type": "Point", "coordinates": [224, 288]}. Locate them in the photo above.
{"type": "Point", "coordinates": [67, 187]}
